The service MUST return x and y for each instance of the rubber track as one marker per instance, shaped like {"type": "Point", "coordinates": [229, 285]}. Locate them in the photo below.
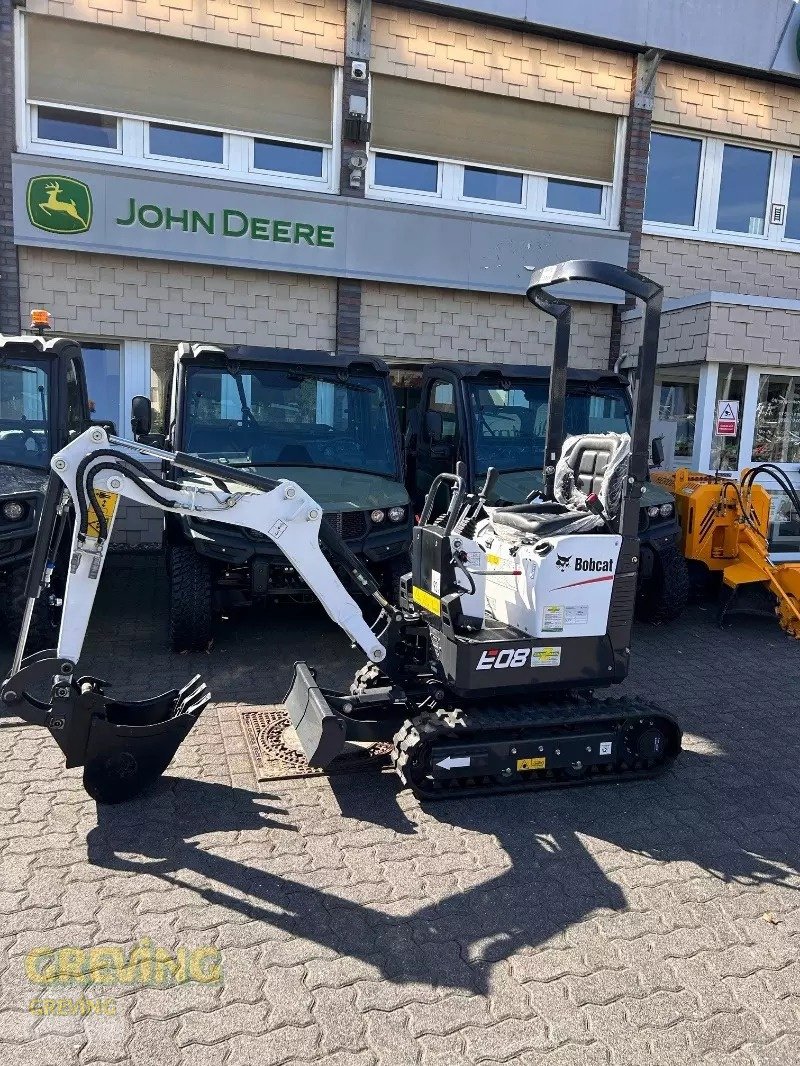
{"type": "Point", "coordinates": [412, 743]}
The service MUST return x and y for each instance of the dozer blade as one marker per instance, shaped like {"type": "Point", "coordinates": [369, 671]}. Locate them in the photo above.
{"type": "Point", "coordinates": [321, 731]}
{"type": "Point", "coordinates": [122, 746]}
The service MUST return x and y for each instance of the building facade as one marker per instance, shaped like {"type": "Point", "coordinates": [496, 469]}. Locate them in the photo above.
{"type": "Point", "coordinates": [378, 178]}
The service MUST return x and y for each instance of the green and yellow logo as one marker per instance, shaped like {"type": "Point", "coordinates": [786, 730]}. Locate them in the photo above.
{"type": "Point", "coordinates": [59, 205]}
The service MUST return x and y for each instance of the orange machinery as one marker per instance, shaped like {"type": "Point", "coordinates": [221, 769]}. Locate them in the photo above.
{"type": "Point", "coordinates": [724, 527]}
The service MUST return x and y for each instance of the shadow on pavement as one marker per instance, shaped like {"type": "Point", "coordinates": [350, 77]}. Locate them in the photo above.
{"type": "Point", "coordinates": [552, 880]}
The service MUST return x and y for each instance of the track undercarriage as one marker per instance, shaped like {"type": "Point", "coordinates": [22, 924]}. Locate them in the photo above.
{"type": "Point", "coordinates": [444, 747]}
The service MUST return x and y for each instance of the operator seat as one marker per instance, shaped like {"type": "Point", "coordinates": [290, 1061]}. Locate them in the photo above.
{"type": "Point", "coordinates": [591, 463]}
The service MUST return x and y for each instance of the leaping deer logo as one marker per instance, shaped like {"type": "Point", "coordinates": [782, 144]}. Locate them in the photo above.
{"type": "Point", "coordinates": [59, 205]}
{"type": "Point", "coordinates": [52, 203]}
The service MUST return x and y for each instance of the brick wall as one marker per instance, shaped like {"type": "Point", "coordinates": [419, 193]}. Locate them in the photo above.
{"type": "Point", "coordinates": [725, 333]}
{"type": "Point", "coordinates": [312, 30]}
{"type": "Point", "coordinates": [432, 324]}
{"type": "Point", "coordinates": [684, 267]}
{"type": "Point", "coordinates": [727, 104]}
{"type": "Point", "coordinates": [116, 296]}
{"type": "Point", "coordinates": [413, 44]}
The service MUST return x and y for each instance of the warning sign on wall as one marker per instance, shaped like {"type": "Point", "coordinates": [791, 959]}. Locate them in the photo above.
{"type": "Point", "coordinates": [727, 418]}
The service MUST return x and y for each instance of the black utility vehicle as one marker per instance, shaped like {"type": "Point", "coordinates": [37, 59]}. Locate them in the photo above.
{"type": "Point", "coordinates": [43, 405]}
{"type": "Point", "coordinates": [325, 421]}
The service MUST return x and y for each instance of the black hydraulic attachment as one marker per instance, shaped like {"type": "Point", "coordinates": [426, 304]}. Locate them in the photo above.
{"type": "Point", "coordinates": [123, 747]}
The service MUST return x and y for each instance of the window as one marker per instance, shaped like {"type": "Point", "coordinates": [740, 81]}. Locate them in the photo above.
{"type": "Point", "coordinates": [441, 416]}
{"type": "Point", "coordinates": [574, 196]}
{"type": "Point", "coordinates": [744, 188]}
{"type": "Point", "coordinates": [777, 431]}
{"type": "Point", "coordinates": [161, 358]}
{"type": "Point", "coordinates": [730, 386]}
{"type": "Point", "coordinates": [75, 413]}
{"type": "Point", "coordinates": [793, 206]}
{"type": "Point", "coordinates": [76, 127]}
{"type": "Point", "coordinates": [402, 172]}
{"type": "Point", "coordinates": [103, 365]}
{"type": "Point", "coordinates": [481, 184]}
{"type": "Point", "coordinates": [180, 142]}
{"type": "Point", "coordinates": [286, 158]}
{"type": "Point", "coordinates": [677, 418]}
{"type": "Point", "coordinates": [672, 179]}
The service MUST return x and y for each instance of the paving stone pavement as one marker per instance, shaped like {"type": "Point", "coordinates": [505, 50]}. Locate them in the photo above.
{"type": "Point", "coordinates": [619, 924]}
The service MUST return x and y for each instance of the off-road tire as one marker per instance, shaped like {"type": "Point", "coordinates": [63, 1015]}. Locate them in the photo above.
{"type": "Point", "coordinates": [664, 596]}
{"type": "Point", "coordinates": [191, 612]}
{"type": "Point", "coordinates": [43, 632]}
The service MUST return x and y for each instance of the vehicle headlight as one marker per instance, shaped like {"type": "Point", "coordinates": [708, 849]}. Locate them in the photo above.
{"type": "Point", "coordinates": [665, 510]}
{"type": "Point", "coordinates": [13, 510]}
{"type": "Point", "coordinates": [397, 514]}
{"type": "Point", "coordinates": [377, 516]}
{"type": "Point", "coordinates": [653, 512]}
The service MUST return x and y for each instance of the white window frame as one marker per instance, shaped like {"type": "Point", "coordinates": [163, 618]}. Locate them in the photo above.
{"type": "Point", "coordinates": [133, 141]}
{"type": "Point", "coordinates": [708, 189]}
{"type": "Point", "coordinates": [450, 192]}
{"type": "Point", "coordinates": [407, 196]}
{"type": "Point", "coordinates": [304, 181]}
{"type": "Point", "coordinates": [182, 160]}
{"type": "Point", "coordinates": [72, 149]}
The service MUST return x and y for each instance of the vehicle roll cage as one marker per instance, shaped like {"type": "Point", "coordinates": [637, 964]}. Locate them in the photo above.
{"type": "Point", "coordinates": [651, 294]}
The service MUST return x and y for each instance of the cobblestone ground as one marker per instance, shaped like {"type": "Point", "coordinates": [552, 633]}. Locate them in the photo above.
{"type": "Point", "coordinates": [656, 922]}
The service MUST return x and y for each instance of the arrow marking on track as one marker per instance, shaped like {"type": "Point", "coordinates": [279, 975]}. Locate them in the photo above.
{"type": "Point", "coordinates": [449, 762]}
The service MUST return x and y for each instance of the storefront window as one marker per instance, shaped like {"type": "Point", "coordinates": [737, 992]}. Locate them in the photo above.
{"type": "Point", "coordinates": [103, 364]}
{"type": "Point", "coordinates": [730, 386]}
{"type": "Point", "coordinates": [784, 524]}
{"type": "Point", "coordinates": [777, 432]}
{"type": "Point", "coordinates": [677, 417]}
{"type": "Point", "coordinates": [161, 356]}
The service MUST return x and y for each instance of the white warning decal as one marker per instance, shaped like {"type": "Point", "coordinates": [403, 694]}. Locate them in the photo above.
{"type": "Point", "coordinates": [553, 618]}
{"type": "Point", "coordinates": [577, 616]}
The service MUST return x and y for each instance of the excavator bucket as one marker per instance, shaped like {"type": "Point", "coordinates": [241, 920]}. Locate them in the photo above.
{"type": "Point", "coordinates": [123, 746]}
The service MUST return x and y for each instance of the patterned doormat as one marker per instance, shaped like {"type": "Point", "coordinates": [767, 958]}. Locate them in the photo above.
{"type": "Point", "coordinates": [276, 752]}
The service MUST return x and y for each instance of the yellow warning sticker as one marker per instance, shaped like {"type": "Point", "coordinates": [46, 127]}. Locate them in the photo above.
{"type": "Point", "coordinates": [493, 560]}
{"type": "Point", "coordinates": [532, 764]}
{"type": "Point", "coordinates": [108, 505]}
{"type": "Point", "coordinates": [427, 601]}
{"type": "Point", "coordinates": [546, 656]}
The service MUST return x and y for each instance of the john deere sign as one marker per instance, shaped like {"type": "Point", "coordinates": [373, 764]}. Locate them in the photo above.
{"type": "Point", "coordinates": [229, 222]}
{"type": "Point", "coordinates": [115, 210]}
{"type": "Point", "coordinates": [58, 204]}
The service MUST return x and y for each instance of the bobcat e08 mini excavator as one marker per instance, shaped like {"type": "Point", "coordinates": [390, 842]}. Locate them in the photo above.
{"type": "Point", "coordinates": [481, 676]}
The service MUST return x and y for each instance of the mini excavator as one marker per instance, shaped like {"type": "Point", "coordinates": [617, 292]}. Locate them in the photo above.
{"type": "Point", "coordinates": [482, 677]}
{"type": "Point", "coordinates": [724, 529]}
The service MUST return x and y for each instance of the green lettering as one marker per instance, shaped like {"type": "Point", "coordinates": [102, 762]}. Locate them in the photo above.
{"type": "Point", "coordinates": [325, 236]}
{"type": "Point", "coordinates": [259, 229]}
{"type": "Point", "coordinates": [227, 215]}
{"type": "Point", "coordinates": [182, 219]}
{"type": "Point", "coordinates": [280, 232]}
{"type": "Point", "coordinates": [129, 221]}
{"type": "Point", "coordinates": [151, 217]}
{"type": "Point", "coordinates": [303, 232]}
{"type": "Point", "coordinates": [206, 223]}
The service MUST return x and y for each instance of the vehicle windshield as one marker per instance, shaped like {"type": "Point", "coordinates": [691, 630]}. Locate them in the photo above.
{"type": "Point", "coordinates": [268, 416]}
{"type": "Point", "coordinates": [510, 422]}
{"type": "Point", "coordinates": [24, 404]}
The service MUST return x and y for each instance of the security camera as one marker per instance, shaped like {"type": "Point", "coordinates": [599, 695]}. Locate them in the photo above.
{"type": "Point", "coordinates": [358, 71]}
{"type": "Point", "coordinates": [358, 161]}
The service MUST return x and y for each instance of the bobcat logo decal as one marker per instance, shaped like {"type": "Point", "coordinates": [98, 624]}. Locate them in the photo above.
{"type": "Point", "coordinates": [563, 561]}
